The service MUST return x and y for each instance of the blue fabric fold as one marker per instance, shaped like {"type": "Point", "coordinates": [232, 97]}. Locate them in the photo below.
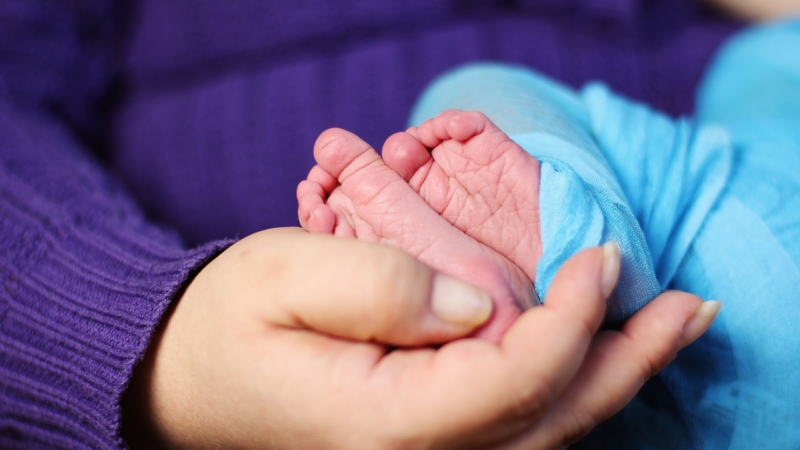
{"type": "Point", "coordinates": [709, 205]}
{"type": "Point", "coordinates": [671, 172]}
{"type": "Point", "coordinates": [581, 204]}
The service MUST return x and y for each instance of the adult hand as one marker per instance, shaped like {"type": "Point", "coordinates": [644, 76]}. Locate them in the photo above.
{"type": "Point", "coordinates": [289, 340]}
{"type": "Point", "coordinates": [760, 10]}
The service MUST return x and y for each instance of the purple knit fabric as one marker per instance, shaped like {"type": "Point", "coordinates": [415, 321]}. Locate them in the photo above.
{"type": "Point", "coordinates": [206, 113]}
{"type": "Point", "coordinates": [229, 97]}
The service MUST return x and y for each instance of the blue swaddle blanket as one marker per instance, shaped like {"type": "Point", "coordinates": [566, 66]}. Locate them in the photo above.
{"type": "Point", "coordinates": [581, 203]}
{"type": "Point", "coordinates": [710, 206]}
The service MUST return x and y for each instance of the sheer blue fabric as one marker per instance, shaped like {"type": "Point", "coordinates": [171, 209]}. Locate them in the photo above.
{"type": "Point", "coordinates": [581, 203]}
{"type": "Point", "coordinates": [709, 205]}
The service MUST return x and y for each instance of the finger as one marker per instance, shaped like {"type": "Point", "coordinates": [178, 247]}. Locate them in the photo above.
{"type": "Point", "coordinates": [489, 393]}
{"type": "Point", "coordinates": [367, 292]}
{"type": "Point", "coordinates": [618, 364]}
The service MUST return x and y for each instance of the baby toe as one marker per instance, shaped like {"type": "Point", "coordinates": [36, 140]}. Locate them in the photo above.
{"type": "Point", "coordinates": [309, 195]}
{"type": "Point", "coordinates": [466, 124]}
{"type": "Point", "coordinates": [325, 180]}
{"type": "Point", "coordinates": [336, 149]}
{"type": "Point", "coordinates": [321, 219]}
{"type": "Point", "coordinates": [405, 154]}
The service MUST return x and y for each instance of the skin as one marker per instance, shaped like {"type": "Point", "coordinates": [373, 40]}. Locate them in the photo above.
{"type": "Point", "coordinates": [457, 193]}
{"type": "Point", "coordinates": [276, 345]}
{"type": "Point", "coordinates": [760, 10]}
{"type": "Point", "coordinates": [162, 408]}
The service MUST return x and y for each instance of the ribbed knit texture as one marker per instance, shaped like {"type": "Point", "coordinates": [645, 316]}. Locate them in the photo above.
{"type": "Point", "coordinates": [84, 278]}
{"type": "Point", "coordinates": [229, 97]}
{"type": "Point", "coordinates": [206, 112]}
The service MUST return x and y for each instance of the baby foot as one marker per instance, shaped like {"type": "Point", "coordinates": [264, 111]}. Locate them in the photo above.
{"type": "Point", "coordinates": [352, 192]}
{"type": "Point", "coordinates": [477, 179]}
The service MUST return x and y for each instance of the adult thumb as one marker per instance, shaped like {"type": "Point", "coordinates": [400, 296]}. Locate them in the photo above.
{"type": "Point", "coordinates": [369, 292]}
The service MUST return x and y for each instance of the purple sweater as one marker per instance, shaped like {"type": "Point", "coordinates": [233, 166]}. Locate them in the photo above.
{"type": "Point", "coordinates": [136, 136]}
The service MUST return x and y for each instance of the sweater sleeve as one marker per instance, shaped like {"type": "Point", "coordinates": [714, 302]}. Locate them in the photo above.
{"type": "Point", "coordinates": [84, 278]}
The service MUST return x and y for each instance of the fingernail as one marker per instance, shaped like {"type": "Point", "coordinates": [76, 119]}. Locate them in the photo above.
{"type": "Point", "coordinates": [459, 303]}
{"type": "Point", "coordinates": [610, 267]}
{"type": "Point", "coordinates": [699, 322]}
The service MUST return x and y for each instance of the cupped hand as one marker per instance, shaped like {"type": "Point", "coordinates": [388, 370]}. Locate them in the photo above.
{"type": "Point", "coordinates": [290, 341]}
